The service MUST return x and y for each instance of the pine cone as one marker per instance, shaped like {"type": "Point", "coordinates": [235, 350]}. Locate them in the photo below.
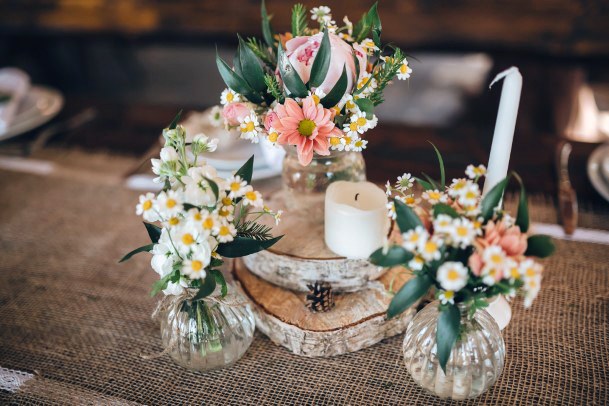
{"type": "Point", "coordinates": [320, 297]}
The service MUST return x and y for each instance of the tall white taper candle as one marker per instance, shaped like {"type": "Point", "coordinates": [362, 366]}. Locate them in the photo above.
{"type": "Point", "coordinates": [499, 159]}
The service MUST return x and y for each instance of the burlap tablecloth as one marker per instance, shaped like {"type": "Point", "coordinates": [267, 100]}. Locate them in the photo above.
{"type": "Point", "coordinates": [78, 321]}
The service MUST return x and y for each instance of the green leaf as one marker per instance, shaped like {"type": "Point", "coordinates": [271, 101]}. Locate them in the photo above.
{"type": "Point", "coordinates": [395, 255]}
{"type": "Point", "coordinates": [242, 246]}
{"type": "Point", "coordinates": [338, 91]}
{"type": "Point", "coordinates": [220, 280]}
{"type": "Point", "coordinates": [215, 262]}
{"type": "Point", "coordinates": [431, 181]}
{"type": "Point", "coordinates": [236, 82]}
{"type": "Point", "coordinates": [361, 29]}
{"type": "Point", "coordinates": [373, 17]}
{"type": "Point", "coordinates": [492, 199]}
{"type": "Point", "coordinates": [540, 246]}
{"type": "Point", "coordinates": [522, 215]}
{"type": "Point", "coordinates": [250, 66]}
{"type": "Point", "coordinates": [207, 288]}
{"type": "Point", "coordinates": [366, 106]}
{"type": "Point", "coordinates": [214, 187]}
{"type": "Point", "coordinates": [408, 295]}
{"type": "Point", "coordinates": [447, 332]}
{"type": "Point", "coordinates": [145, 248]}
{"type": "Point", "coordinates": [406, 218]}
{"type": "Point", "coordinates": [299, 20]}
{"type": "Point", "coordinates": [175, 121]}
{"type": "Point", "coordinates": [441, 163]}
{"type": "Point", "coordinates": [154, 232]}
{"type": "Point", "coordinates": [441, 208]}
{"type": "Point", "coordinates": [267, 31]}
{"type": "Point", "coordinates": [290, 77]}
{"type": "Point", "coordinates": [247, 170]}
{"type": "Point", "coordinates": [426, 185]}
{"type": "Point", "coordinates": [162, 283]}
{"type": "Point", "coordinates": [237, 63]}
{"type": "Point", "coordinates": [321, 62]}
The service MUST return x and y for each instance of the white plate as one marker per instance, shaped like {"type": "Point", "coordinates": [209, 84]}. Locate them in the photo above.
{"type": "Point", "coordinates": [38, 106]}
{"type": "Point", "coordinates": [598, 158]}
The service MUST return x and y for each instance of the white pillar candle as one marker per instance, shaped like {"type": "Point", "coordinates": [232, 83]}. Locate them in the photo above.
{"type": "Point", "coordinates": [501, 148]}
{"type": "Point", "coordinates": [356, 222]}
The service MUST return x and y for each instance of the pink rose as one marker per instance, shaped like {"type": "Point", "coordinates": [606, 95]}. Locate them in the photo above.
{"type": "Point", "coordinates": [513, 242]}
{"type": "Point", "coordinates": [475, 263]}
{"type": "Point", "coordinates": [270, 120]}
{"type": "Point", "coordinates": [301, 52]}
{"type": "Point", "coordinates": [233, 112]}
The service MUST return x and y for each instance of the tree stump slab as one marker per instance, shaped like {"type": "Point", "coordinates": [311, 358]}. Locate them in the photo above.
{"type": "Point", "coordinates": [357, 321]}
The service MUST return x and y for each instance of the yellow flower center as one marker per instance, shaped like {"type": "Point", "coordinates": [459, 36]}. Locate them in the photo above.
{"type": "Point", "coordinates": [414, 238]}
{"type": "Point", "coordinates": [315, 99]}
{"type": "Point", "coordinates": [350, 104]}
{"type": "Point", "coordinates": [430, 247]}
{"type": "Point", "coordinates": [353, 126]}
{"type": "Point", "coordinates": [174, 221]}
{"type": "Point", "coordinates": [197, 216]}
{"type": "Point", "coordinates": [470, 195]}
{"type": "Point", "coordinates": [369, 44]}
{"type": "Point", "coordinates": [196, 265]}
{"type": "Point", "coordinates": [434, 195]}
{"type": "Point", "coordinates": [336, 110]}
{"type": "Point", "coordinates": [479, 171]}
{"type": "Point", "coordinates": [187, 239]}
{"type": "Point", "coordinates": [224, 212]}
{"type": "Point", "coordinates": [273, 137]}
{"type": "Point", "coordinates": [461, 231]}
{"type": "Point", "coordinates": [410, 200]}
{"type": "Point", "coordinates": [404, 68]}
{"type": "Point", "coordinates": [248, 127]}
{"type": "Point", "coordinates": [452, 275]}
{"type": "Point", "coordinates": [496, 258]}
{"type": "Point", "coordinates": [306, 127]}
{"type": "Point", "coordinates": [250, 195]}
{"type": "Point", "coordinates": [147, 205]}
{"type": "Point", "coordinates": [459, 185]}
{"type": "Point", "coordinates": [334, 141]}
{"type": "Point", "coordinates": [224, 231]}
{"type": "Point", "coordinates": [227, 201]}
{"type": "Point", "coordinates": [358, 143]}
{"type": "Point", "coordinates": [530, 272]}
{"type": "Point", "coordinates": [532, 284]}
{"type": "Point", "coordinates": [235, 186]}
{"type": "Point", "coordinates": [361, 121]}
{"type": "Point", "coordinates": [170, 203]}
{"type": "Point", "coordinates": [208, 223]}
{"type": "Point", "coordinates": [449, 294]}
{"type": "Point", "coordinates": [514, 273]}
{"type": "Point", "coordinates": [347, 140]}
{"type": "Point", "coordinates": [229, 97]}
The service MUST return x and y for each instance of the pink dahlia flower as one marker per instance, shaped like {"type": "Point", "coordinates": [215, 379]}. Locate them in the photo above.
{"type": "Point", "coordinates": [308, 128]}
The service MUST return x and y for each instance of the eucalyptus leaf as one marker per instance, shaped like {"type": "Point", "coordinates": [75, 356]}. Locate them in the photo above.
{"type": "Point", "coordinates": [291, 79]}
{"type": "Point", "coordinates": [447, 332]}
{"type": "Point", "coordinates": [267, 31]}
{"type": "Point", "coordinates": [243, 246]}
{"type": "Point", "coordinates": [236, 82]}
{"type": "Point", "coordinates": [412, 291]}
{"type": "Point", "coordinates": [492, 199]}
{"type": "Point", "coordinates": [145, 248]}
{"type": "Point", "coordinates": [207, 288]}
{"type": "Point", "coordinates": [175, 121]}
{"type": "Point", "coordinates": [247, 170]}
{"type": "Point", "coordinates": [522, 215]}
{"type": "Point", "coordinates": [441, 208]}
{"type": "Point", "coordinates": [406, 218]}
{"type": "Point", "coordinates": [395, 255]}
{"type": "Point", "coordinates": [319, 70]}
{"type": "Point", "coordinates": [338, 91]}
{"type": "Point", "coordinates": [540, 246]}
{"type": "Point", "coordinates": [154, 232]}
{"type": "Point", "coordinates": [220, 280]}
{"type": "Point", "coordinates": [237, 62]}
{"type": "Point", "coordinates": [251, 68]}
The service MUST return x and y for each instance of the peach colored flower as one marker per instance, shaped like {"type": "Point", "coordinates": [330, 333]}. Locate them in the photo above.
{"type": "Point", "coordinates": [308, 128]}
{"type": "Point", "coordinates": [475, 263]}
{"type": "Point", "coordinates": [269, 120]}
{"type": "Point", "coordinates": [232, 112]}
{"type": "Point", "coordinates": [510, 239]}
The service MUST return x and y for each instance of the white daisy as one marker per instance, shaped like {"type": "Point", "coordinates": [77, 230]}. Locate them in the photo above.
{"type": "Point", "coordinates": [475, 172]}
{"type": "Point", "coordinates": [236, 187]}
{"type": "Point", "coordinates": [391, 210]}
{"type": "Point", "coordinates": [194, 268]}
{"type": "Point", "coordinates": [349, 103]}
{"type": "Point", "coordinates": [318, 13]}
{"type": "Point", "coordinates": [169, 203]}
{"type": "Point", "coordinates": [335, 144]}
{"type": "Point", "coordinates": [443, 224]}
{"type": "Point", "coordinates": [531, 288]}
{"type": "Point", "coordinates": [409, 200]}
{"type": "Point", "coordinates": [435, 196]}
{"type": "Point", "coordinates": [494, 264]}
{"type": "Point", "coordinates": [447, 296]}
{"type": "Point", "coordinates": [367, 82]}
{"type": "Point", "coordinates": [457, 187]}
{"type": "Point", "coordinates": [404, 182]}
{"type": "Point", "coordinates": [185, 238]}
{"type": "Point", "coordinates": [227, 212]}
{"type": "Point", "coordinates": [469, 195]}
{"type": "Point", "coordinates": [416, 263]}
{"type": "Point", "coordinates": [414, 238]}
{"type": "Point", "coordinates": [360, 120]}
{"type": "Point", "coordinates": [215, 116]}
{"type": "Point", "coordinates": [369, 46]}
{"type": "Point", "coordinates": [430, 249]}
{"type": "Point", "coordinates": [404, 71]}
{"type": "Point", "coordinates": [463, 233]}
{"type": "Point", "coordinates": [225, 232]}
{"type": "Point", "coordinates": [146, 209]}
{"type": "Point", "coordinates": [452, 276]}
{"type": "Point", "coordinates": [359, 145]}
{"type": "Point", "coordinates": [209, 222]}
{"type": "Point", "coordinates": [250, 128]}
{"type": "Point", "coordinates": [351, 129]}
{"type": "Point", "coordinates": [347, 143]}
{"type": "Point", "coordinates": [229, 96]}
{"type": "Point", "coordinates": [272, 136]}
{"type": "Point", "coordinates": [253, 198]}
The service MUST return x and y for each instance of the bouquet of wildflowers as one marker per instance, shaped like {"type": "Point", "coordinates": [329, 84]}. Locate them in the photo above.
{"type": "Point", "coordinates": [313, 87]}
{"type": "Point", "coordinates": [199, 218]}
{"type": "Point", "coordinates": [462, 244]}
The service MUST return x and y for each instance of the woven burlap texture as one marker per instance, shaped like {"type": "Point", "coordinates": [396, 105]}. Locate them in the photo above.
{"type": "Point", "coordinates": [79, 321]}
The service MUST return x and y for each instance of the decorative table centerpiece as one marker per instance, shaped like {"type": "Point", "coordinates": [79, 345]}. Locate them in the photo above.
{"type": "Point", "coordinates": [205, 323]}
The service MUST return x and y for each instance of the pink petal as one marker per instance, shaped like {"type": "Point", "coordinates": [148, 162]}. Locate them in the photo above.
{"type": "Point", "coordinates": [293, 109]}
{"type": "Point", "coordinates": [305, 155]}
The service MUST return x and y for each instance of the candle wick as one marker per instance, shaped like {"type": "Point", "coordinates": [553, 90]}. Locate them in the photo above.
{"type": "Point", "coordinates": [356, 195]}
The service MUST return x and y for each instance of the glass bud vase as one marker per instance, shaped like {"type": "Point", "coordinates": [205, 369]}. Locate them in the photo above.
{"type": "Point", "coordinates": [476, 360]}
{"type": "Point", "coordinates": [304, 187]}
{"type": "Point", "coordinates": [208, 334]}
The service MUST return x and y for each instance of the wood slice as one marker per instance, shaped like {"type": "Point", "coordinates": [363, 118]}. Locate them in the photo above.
{"type": "Point", "coordinates": [357, 321]}
{"type": "Point", "coordinates": [301, 257]}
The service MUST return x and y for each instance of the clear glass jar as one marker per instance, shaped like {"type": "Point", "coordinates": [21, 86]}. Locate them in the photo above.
{"type": "Point", "coordinates": [304, 187]}
{"type": "Point", "coordinates": [475, 363]}
{"type": "Point", "coordinates": [208, 334]}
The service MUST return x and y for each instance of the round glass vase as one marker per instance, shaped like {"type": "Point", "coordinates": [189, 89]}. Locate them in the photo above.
{"type": "Point", "coordinates": [208, 334]}
{"type": "Point", "coordinates": [304, 187]}
{"type": "Point", "coordinates": [476, 360]}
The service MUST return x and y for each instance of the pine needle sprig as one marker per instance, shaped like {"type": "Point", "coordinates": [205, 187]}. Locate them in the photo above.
{"type": "Point", "coordinates": [299, 20]}
{"type": "Point", "coordinates": [389, 70]}
{"type": "Point", "coordinates": [253, 230]}
{"type": "Point", "coordinates": [262, 52]}
{"type": "Point", "coordinates": [273, 87]}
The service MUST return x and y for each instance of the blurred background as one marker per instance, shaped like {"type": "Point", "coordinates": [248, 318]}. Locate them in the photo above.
{"type": "Point", "coordinates": [111, 74]}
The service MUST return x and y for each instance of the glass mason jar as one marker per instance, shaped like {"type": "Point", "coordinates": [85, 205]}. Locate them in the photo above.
{"type": "Point", "coordinates": [208, 334]}
{"type": "Point", "coordinates": [304, 187]}
{"type": "Point", "coordinates": [476, 360]}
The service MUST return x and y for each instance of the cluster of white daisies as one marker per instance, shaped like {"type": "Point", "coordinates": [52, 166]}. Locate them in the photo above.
{"type": "Point", "coordinates": [197, 210]}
